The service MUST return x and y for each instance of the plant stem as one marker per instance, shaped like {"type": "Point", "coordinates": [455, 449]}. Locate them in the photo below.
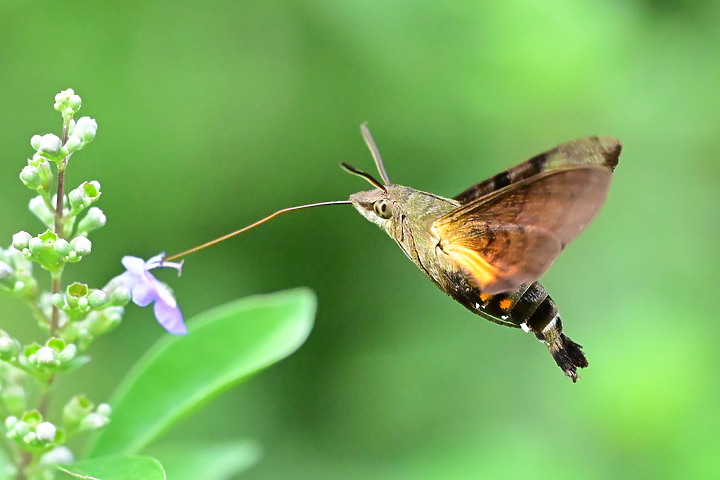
{"type": "Point", "coordinates": [59, 226]}
{"type": "Point", "coordinates": [24, 464]}
{"type": "Point", "coordinates": [45, 398]}
{"type": "Point", "coordinates": [59, 201]}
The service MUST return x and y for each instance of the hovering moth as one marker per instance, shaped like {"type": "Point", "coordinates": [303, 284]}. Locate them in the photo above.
{"type": "Point", "coordinates": [488, 246]}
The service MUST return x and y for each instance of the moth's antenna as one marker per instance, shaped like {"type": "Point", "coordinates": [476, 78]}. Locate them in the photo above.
{"type": "Point", "coordinates": [365, 175]}
{"type": "Point", "coordinates": [375, 152]}
{"type": "Point", "coordinates": [259, 222]}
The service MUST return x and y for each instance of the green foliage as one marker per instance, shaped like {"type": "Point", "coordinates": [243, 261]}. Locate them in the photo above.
{"type": "Point", "coordinates": [118, 467]}
{"type": "Point", "coordinates": [225, 346]}
{"type": "Point", "coordinates": [185, 461]}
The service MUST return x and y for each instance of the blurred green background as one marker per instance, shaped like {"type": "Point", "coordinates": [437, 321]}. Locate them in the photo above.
{"type": "Point", "coordinates": [213, 114]}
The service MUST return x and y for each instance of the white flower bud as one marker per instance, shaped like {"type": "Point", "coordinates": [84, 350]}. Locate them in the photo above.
{"type": "Point", "coordinates": [20, 240]}
{"type": "Point", "coordinates": [64, 95]}
{"type": "Point", "coordinates": [93, 219]}
{"type": "Point", "coordinates": [46, 432]}
{"type": "Point", "coordinates": [10, 422]}
{"type": "Point", "coordinates": [97, 298]}
{"type": "Point", "coordinates": [76, 198]}
{"type": "Point", "coordinates": [58, 456]}
{"type": "Point", "coordinates": [5, 270]}
{"type": "Point", "coordinates": [35, 245]}
{"type": "Point", "coordinates": [73, 144]}
{"type": "Point", "coordinates": [21, 428]}
{"type": "Point", "coordinates": [50, 144]}
{"type": "Point", "coordinates": [62, 247]}
{"type": "Point", "coordinates": [104, 409]}
{"type": "Point", "coordinates": [85, 129]}
{"type": "Point", "coordinates": [81, 245]}
{"type": "Point", "coordinates": [93, 421]}
{"type": "Point", "coordinates": [74, 102]}
{"type": "Point", "coordinates": [45, 356]}
{"type": "Point", "coordinates": [40, 210]}
{"type": "Point", "coordinates": [30, 177]}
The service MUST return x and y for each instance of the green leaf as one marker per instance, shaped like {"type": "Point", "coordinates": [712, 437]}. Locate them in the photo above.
{"type": "Point", "coordinates": [224, 346]}
{"type": "Point", "coordinates": [184, 461]}
{"type": "Point", "coordinates": [116, 468]}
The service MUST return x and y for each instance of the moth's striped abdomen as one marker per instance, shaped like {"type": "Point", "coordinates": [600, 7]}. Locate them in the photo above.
{"type": "Point", "coordinates": [529, 308]}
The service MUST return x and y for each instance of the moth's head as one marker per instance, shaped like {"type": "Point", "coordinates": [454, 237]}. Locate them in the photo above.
{"type": "Point", "coordinates": [375, 205]}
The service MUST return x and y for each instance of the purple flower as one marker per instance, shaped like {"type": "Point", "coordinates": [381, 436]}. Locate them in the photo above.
{"type": "Point", "coordinates": [146, 289]}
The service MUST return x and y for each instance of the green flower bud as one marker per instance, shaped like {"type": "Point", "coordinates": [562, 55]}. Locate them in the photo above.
{"type": "Point", "coordinates": [20, 240]}
{"type": "Point", "coordinates": [81, 245]}
{"type": "Point", "coordinates": [56, 344]}
{"type": "Point", "coordinates": [75, 300]}
{"type": "Point", "coordinates": [102, 321]}
{"type": "Point", "coordinates": [49, 251]}
{"type": "Point", "coordinates": [77, 290]}
{"type": "Point", "coordinates": [76, 197]}
{"type": "Point", "coordinates": [38, 207]}
{"type": "Point", "coordinates": [120, 296]}
{"type": "Point", "coordinates": [67, 103]}
{"type": "Point", "coordinates": [93, 219]}
{"type": "Point", "coordinates": [14, 398]}
{"type": "Point", "coordinates": [32, 418]}
{"type": "Point", "coordinates": [85, 129]}
{"type": "Point", "coordinates": [58, 300]}
{"type": "Point", "coordinates": [82, 196]}
{"type": "Point", "coordinates": [76, 410]}
{"type": "Point", "coordinates": [62, 247]}
{"type": "Point", "coordinates": [35, 245]}
{"type": "Point", "coordinates": [37, 159]}
{"type": "Point", "coordinates": [67, 354]}
{"type": "Point", "coordinates": [35, 142]}
{"type": "Point", "coordinates": [61, 99]}
{"type": "Point", "coordinates": [46, 175]}
{"type": "Point", "coordinates": [73, 144]}
{"type": "Point", "coordinates": [97, 298]}
{"type": "Point", "coordinates": [9, 347]}
{"type": "Point", "coordinates": [20, 429]}
{"type": "Point", "coordinates": [74, 102]}
{"type": "Point", "coordinates": [30, 177]}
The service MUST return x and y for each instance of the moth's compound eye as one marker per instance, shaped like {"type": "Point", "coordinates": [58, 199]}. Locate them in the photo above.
{"type": "Point", "coordinates": [382, 208]}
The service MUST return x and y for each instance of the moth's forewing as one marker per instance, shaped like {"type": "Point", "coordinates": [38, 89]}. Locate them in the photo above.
{"type": "Point", "coordinates": [599, 151]}
{"type": "Point", "coordinates": [513, 234]}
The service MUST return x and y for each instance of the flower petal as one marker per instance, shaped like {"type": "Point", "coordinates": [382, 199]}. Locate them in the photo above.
{"type": "Point", "coordinates": [144, 293]}
{"type": "Point", "coordinates": [170, 317]}
{"type": "Point", "coordinates": [133, 265]}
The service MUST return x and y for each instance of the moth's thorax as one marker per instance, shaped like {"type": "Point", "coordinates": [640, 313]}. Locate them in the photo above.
{"type": "Point", "coordinates": [406, 205]}
{"type": "Point", "coordinates": [409, 223]}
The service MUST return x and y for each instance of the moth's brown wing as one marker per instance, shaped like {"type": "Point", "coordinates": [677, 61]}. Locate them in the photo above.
{"type": "Point", "coordinates": [512, 235]}
{"type": "Point", "coordinates": [599, 151]}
